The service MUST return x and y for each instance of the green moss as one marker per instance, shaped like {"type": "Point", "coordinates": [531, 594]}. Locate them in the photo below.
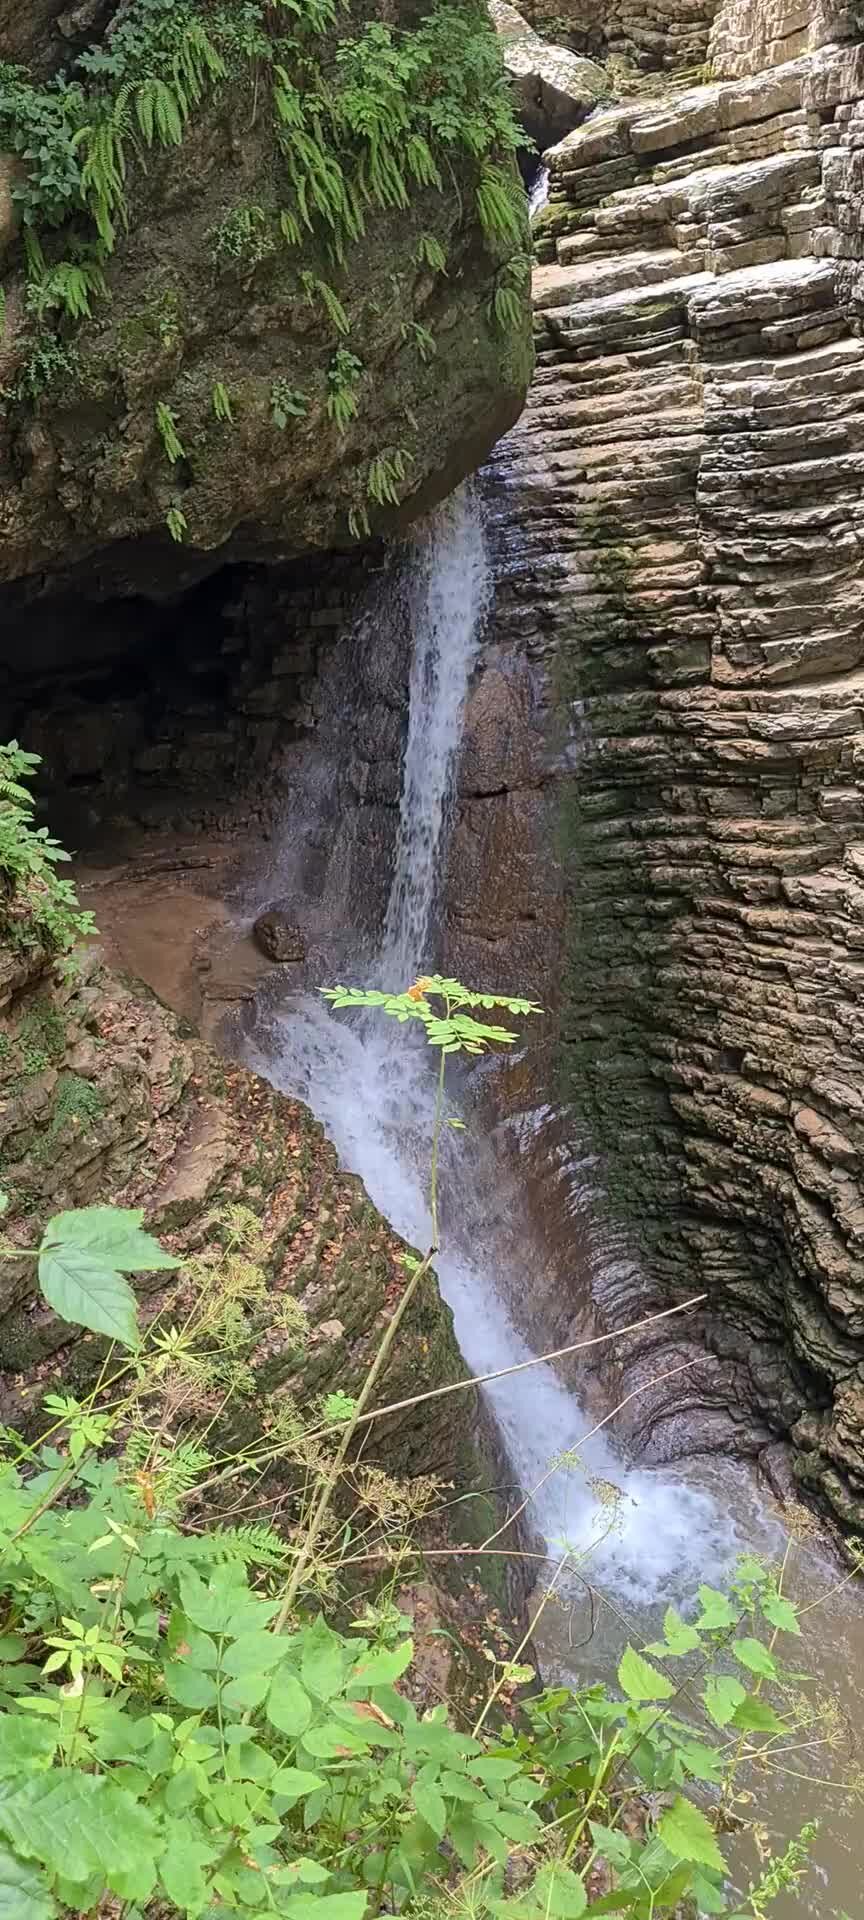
{"type": "Point", "coordinates": [78, 1104]}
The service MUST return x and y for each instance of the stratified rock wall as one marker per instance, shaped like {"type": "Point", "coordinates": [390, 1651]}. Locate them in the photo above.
{"type": "Point", "coordinates": [693, 456]}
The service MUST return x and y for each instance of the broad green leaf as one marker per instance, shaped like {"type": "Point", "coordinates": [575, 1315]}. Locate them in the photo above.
{"type": "Point", "coordinates": [753, 1655]}
{"type": "Point", "coordinates": [560, 1892]}
{"type": "Point", "coordinates": [288, 1705]}
{"type": "Point", "coordinates": [705, 1763]}
{"type": "Point", "coordinates": [721, 1695]}
{"type": "Point", "coordinates": [755, 1716]}
{"type": "Point", "coordinates": [182, 1866]}
{"type": "Point", "coordinates": [26, 1745]}
{"type": "Point", "coordinates": [383, 1665]}
{"type": "Point", "coordinates": [226, 1606]}
{"type": "Point", "coordinates": [689, 1835]}
{"type": "Point", "coordinates": [615, 1847]}
{"type": "Point", "coordinates": [680, 1637]}
{"type": "Point", "coordinates": [621, 1902]}
{"type": "Point", "coordinates": [717, 1611]}
{"type": "Point", "coordinates": [189, 1686]}
{"type": "Point", "coordinates": [326, 1906]}
{"type": "Point", "coordinates": [780, 1612]}
{"type": "Point", "coordinates": [322, 1665]}
{"type": "Point", "coordinates": [493, 1767]}
{"type": "Point", "coordinates": [113, 1234]}
{"type": "Point", "coordinates": [430, 1807]}
{"type": "Point", "coordinates": [248, 1691]}
{"type": "Point", "coordinates": [709, 1898]}
{"type": "Point", "coordinates": [256, 1652]}
{"type": "Point", "coordinates": [291, 1783]}
{"type": "Point", "coordinates": [85, 1291]}
{"type": "Point", "coordinates": [639, 1680]}
{"type": "Point", "coordinates": [23, 1894]}
{"type": "Point", "coordinates": [79, 1824]}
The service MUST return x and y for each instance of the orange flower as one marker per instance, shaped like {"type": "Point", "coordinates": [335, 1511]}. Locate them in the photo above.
{"type": "Point", "coordinates": [419, 989]}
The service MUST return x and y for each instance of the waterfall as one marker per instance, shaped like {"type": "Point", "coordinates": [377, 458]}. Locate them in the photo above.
{"type": "Point", "coordinates": [448, 597]}
{"type": "Point", "coordinates": [374, 1092]}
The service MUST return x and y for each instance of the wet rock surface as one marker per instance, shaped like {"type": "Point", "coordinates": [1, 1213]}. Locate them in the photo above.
{"type": "Point", "coordinates": [691, 574]}
{"type": "Point", "coordinates": [278, 937]}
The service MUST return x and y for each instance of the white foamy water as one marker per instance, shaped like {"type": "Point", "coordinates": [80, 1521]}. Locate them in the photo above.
{"type": "Point", "coordinates": [539, 192]}
{"type": "Point", "coordinates": [374, 1091]}
{"type": "Point", "coordinates": [448, 599]}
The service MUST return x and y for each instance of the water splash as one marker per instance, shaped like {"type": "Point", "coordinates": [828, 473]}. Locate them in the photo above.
{"type": "Point", "coordinates": [448, 598]}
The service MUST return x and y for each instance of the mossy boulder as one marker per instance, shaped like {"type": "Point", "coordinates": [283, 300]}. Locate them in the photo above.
{"type": "Point", "coordinates": [212, 318]}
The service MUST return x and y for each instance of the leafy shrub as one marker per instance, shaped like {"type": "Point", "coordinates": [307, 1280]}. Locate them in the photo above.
{"type": "Point", "coordinates": [36, 904]}
{"type": "Point", "coordinates": [181, 1724]}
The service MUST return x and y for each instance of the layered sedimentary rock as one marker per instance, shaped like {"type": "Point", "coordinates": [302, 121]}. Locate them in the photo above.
{"type": "Point", "coordinates": [692, 460]}
{"type": "Point", "coordinates": [651, 35]}
{"type": "Point", "coordinates": [556, 89]}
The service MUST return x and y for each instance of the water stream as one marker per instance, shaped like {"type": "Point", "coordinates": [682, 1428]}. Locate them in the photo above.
{"type": "Point", "coordinates": [650, 1535]}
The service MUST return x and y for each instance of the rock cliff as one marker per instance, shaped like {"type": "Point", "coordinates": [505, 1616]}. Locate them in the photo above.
{"type": "Point", "coordinates": [689, 471]}
{"type": "Point", "coordinates": [240, 247]}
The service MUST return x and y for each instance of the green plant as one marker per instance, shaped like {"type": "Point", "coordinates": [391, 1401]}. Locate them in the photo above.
{"type": "Point", "coordinates": [320, 291]}
{"type": "Point", "coordinates": [420, 337]}
{"type": "Point", "coordinates": [222, 406]}
{"type": "Point", "coordinates": [181, 1724]}
{"type": "Point", "coordinates": [343, 378]}
{"type": "Point", "coordinates": [166, 422]}
{"type": "Point", "coordinates": [176, 522]}
{"type": "Point", "coordinates": [36, 905]}
{"type": "Point", "coordinates": [511, 283]}
{"type": "Point", "coordinates": [430, 253]}
{"type": "Point", "coordinates": [286, 403]}
{"type": "Point", "coordinates": [245, 236]}
{"type": "Point", "coordinates": [385, 476]}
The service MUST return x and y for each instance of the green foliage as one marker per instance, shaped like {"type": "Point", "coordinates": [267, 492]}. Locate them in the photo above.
{"type": "Point", "coordinates": [245, 237]}
{"type": "Point", "coordinates": [447, 1025]}
{"type": "Point", "coordinates": [37, 906]}
{"type": "Point", "coordinates": [343, 376]}
{"type": "Point", "coordinates": [420, 337]}
{"type": "Point", "coordinates": [511, 284]}
{"type": "Point", "coordinates": [286, 403]}
{"type": "Point", "coordinates": [222, 406]}
{"type": "Point", "coordinates": [365, 122]}
{"type": "Point", "coordinates": [176, 522]}
{"type": "Point", "coordinates": [386, 474]}
{"type": "Point", "coordinates": [430, 253]}
{"type": "Point", "coordinates": [166, 421]}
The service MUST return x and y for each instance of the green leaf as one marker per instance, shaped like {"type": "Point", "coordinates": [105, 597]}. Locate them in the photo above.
{"type": "Point", "coordinates": [182, 1869]}
{"type": "Point", "coordinates": [87, 1292]}
{"type": "Point", "coordinates": [709, 1898]}
{"type": "Point", "coordinates": [639, 1680]}
{"type": "Point", "coordinates": [255, 1652]}
{"type": "Point", "coordinates": [23, 1894]}
{"type": "Point", "coordinates": [755, 1716]}
{"type": "Point", "coordinates": [113, 1233]}
{"type": "Point", "coordinates": [431, 1808]}
{"type": "Point", "coordinates": [189, 1686]}
{"type": "Point", "coordinates": [26, 1745]}
{"type": "Point", "coordinates": [717, 1610]}
{"type": "Point", "coordinates": [78, 1825]}
{"type": "Point", "coordinates": [560, 1892]}
{"type": "Point", "coordinates": [291, 1783]}
{"type": "Point", "coordinates": [615, 1847]}
{"type": "Point", "coordinates": [383, 1666]}
{"type": "Point", "coordinates": [288, 1705]}
{"type": "Point", "coordinates": [753, 1655]}
{"type": "Point", "coordinates": [322, 1666]}
{"type": "Point", "coordinates": [680, 1637]}
{"type": "Point", "coordinates": [326, 1906]}
{"type": "Point", "coordinates": [780, 1612]}
{"type": "Point", "coordinates": [689, 1835]}
{"type": "Point", "coordinates": [721, 1696]}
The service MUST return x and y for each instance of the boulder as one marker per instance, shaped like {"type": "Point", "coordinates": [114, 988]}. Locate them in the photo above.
{"type": "Point", "coordinates": [278, 937]}
{"type": "Point", "coordinates": [556, 90]}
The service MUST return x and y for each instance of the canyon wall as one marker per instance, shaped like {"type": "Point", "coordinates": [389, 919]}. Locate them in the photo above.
{"type": "Point", "coordinates": [691, 582]}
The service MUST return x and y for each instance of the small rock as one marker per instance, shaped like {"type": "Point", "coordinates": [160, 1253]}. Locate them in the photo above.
{"type": "Point", "coordinates": [276, 935]}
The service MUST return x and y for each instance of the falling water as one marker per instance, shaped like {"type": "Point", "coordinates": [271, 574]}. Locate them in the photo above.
{"type": "Point", "coordinates": [375, 1094]}
{"type": "Point", "coordinates": [448, 598]}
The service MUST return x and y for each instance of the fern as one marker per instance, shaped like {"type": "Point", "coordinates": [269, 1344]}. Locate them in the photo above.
{"type": "Point", "coordinates": [420, 337]}
{"type": "Point", "coordinates": [177, 523]}
{"type": "Point", "coordinates": [430, 253]}
{"type": "Point", "coordinates": [222, 402]}
{"type": "Point", "coordinates": [166, 422]}
{"type": "Point", "coordinates": [502, 213]}
{"type": "Point", "coordinates": [343, 375]}
{"type": "Point", "coordinates": [386, 474]}
{"type": "Point", "coordinates": [321, 291]}
{"type": "Point", "coordinates": [68, 287]}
